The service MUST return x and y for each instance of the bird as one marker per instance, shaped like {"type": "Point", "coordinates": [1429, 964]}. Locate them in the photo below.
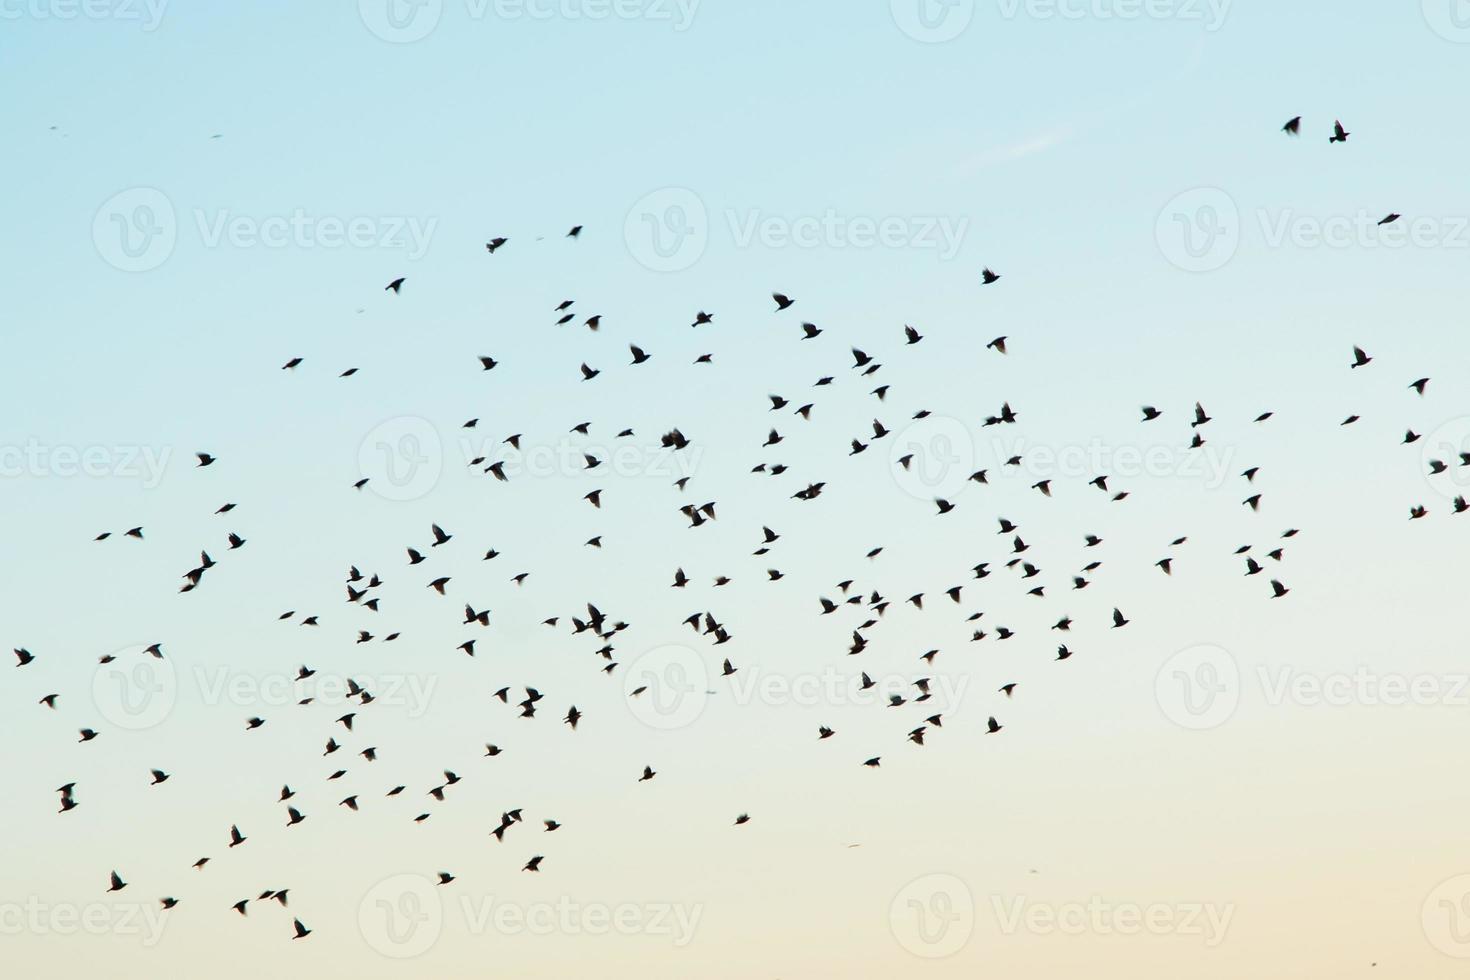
{"type": "Point", "coordinates": [1360, 358]}
{"type": "Point", "coordinates": [1339, 135]}
{"type": "Point", "coordinates": [1293, 126]}
{"type": "Point", "coordinates": [396, 286]}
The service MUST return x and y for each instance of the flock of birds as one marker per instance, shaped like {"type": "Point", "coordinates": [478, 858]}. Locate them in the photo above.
{"type": "Point", "coordinates": [602, 631]}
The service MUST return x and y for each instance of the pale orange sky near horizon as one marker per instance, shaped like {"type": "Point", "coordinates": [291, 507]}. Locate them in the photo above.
{"type": "Point", "coordinates": [1230, 785]}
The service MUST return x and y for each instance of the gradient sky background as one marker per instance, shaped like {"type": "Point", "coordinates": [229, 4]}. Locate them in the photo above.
{"type": "Point", "coordinates": [1063, 147]}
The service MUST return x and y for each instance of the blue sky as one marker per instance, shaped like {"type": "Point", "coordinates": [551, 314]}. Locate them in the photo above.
{"type": "Point", "coordinates": [289, 160]}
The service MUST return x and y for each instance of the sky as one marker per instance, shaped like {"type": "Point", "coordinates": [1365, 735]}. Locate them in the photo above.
{"type": "Point", "coordinates": [201, 192]}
